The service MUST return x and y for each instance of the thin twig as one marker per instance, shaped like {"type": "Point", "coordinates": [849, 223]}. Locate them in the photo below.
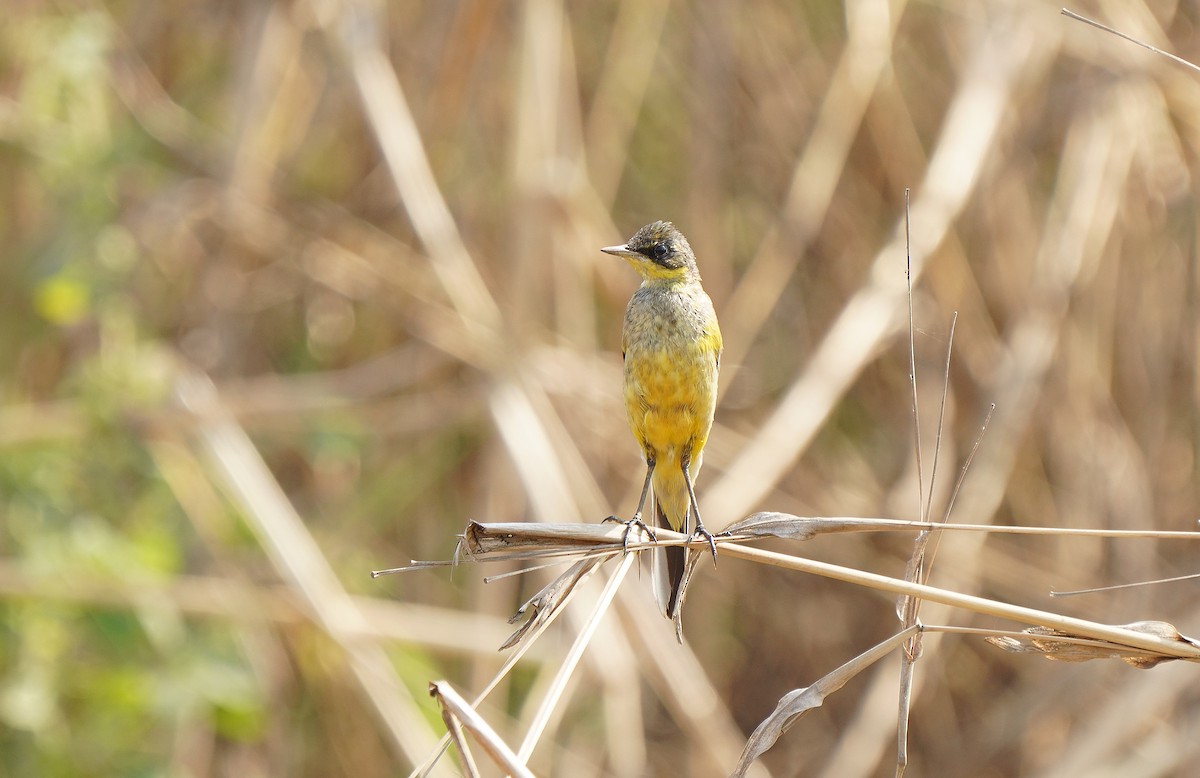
{"type": "Point", "coordinates": [922, 509]}
{"type": "Point", "coordinates": [969, 602]}
{"type": "Point", "coordinates": [1135, 584]}
{"type": "Point", "coordinates": [447, 697]}
{"type": "Point", "coordinates": [1131, 39]}
{"type": "Point", "coordinates": [571, 660]}
{"type": "Point", "coordinates": [962, 473]}
{"type": "Point", "coordinates": [941, 423]}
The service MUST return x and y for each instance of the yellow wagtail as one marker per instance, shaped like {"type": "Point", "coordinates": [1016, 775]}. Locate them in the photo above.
{"type": "Point", "coordinates": [672, 349]}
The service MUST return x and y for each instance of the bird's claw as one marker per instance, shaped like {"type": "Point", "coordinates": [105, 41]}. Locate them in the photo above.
{"type": "Point", "coordinates": [712, 543]}
{"type": "Point", "coordinates": [636, 521]}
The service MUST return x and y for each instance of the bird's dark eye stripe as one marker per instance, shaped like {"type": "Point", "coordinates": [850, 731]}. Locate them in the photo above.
{"type": "Point", "coordinates": [658, 251]}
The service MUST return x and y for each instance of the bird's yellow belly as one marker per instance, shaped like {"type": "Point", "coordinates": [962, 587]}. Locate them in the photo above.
{"type": "Point", "coordinates": [669, 398]}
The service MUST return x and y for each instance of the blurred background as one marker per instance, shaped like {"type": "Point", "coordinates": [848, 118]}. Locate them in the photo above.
{"type": "Point", "coordinates": [292, 290]}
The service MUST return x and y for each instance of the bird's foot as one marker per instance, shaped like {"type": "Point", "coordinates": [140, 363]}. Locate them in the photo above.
{"type": "Point", "coordinates": [636, 521]}
{"type": "Point", "coordinates": [712, 544]}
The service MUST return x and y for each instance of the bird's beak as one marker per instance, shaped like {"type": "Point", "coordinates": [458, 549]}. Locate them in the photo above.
{"type": "Point", "coordinates": [618, 251]}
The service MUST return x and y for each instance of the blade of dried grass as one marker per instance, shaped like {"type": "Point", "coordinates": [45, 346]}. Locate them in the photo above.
{"type": "Point", "coordinates": [941, 422]}
{"type": "Point", "coordinates": [273, 102]}
{"type": "Point", "coordinates": [571, 660]}
{"type": "Point", "coordinates": [300, 562]}
{"type": "Point", "coordinates": [789, 526]}
{"type": "Point", "coordinates": [1116, 587]}
{"type": "Point", "coordinates": [537, 96]}
{"type": "Point", "coordinates": [1095, 164]}
{"type": "Point", "coordinates": [528, 636]}
{"type": "Point", "coordinates": [621, 90]}
{"type": "Point", "coordinates": [918, 566]}
{"type": "Point", "coordinates": [547, 603]}
{"type": "Point", "coordinates": [1091, 175]}
{"type": "Point", "coordinates": [683, 685]}
{"type": "Point", "coordinates": [360, 257]}
{"type": "Point", "coordinates": [863, 740]}
{"type": "Point", "coordinates": [872, 316]}
{"type": "Point", "coordinates": [870, 28]}
{"type": "Point", "coordinates": [913, 650]}
{"type": "Point", "coordinates": [907, 607]}
{"type": "Point", "coordinates": [1180, 60]}
{"type": "Point", "coordinates": [624, 711]}
{"type": "Point", "coordinates": [796, 703]}
{"type": "Point", "coordinates": [487, 579]}
{"type": "Point", "coordinates": [533, 452]}
{"type": "Point", "coordinates": [455, 731]}
{"type": "Point", "coordinates": [922, 510]}
{"type": "Point", "coordinates": [241, 602]}
{"type": "Point", "coordinates": [908, 667]}
{"type": "Point", "coordinates": [966, 466]}
{"type": "Point", "coordinates": [357, 33]}
{"type": "Point", "coordinates": [495, 746]}
{"type": "Point", "coordinates": [1080, 213]}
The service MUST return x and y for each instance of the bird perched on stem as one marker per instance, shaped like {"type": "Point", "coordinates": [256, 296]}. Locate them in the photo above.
{"type": "Point", "coordinates": [672, 349]}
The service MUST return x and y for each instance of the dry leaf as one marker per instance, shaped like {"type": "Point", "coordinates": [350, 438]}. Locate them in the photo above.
{"type": "Point", "coordinates": [689, 567]}
{"type": "Point", "coordinates": [796, 703]}
{"type": "Point", "coordinates": [1062, 646]}
{"type": "Point", "coordinates": [482, 539]}
{"type": "Point", "coordinates": [544, 603]}
{"type": "Point", "coordinates": [786, 525]}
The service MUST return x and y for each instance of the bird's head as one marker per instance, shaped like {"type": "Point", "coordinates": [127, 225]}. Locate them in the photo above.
{"type": "Point", "coordinates": [659, 252]}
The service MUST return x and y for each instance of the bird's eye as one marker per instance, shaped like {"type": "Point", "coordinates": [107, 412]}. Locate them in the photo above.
{"type": "Point", "coordinates": [660, 251]}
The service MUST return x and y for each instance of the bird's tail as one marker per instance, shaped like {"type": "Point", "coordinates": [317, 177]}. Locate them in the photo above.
{"type": "Point", "coordinates": [671, 510]}
{"type": "Point", "coordinates": [675, 557]}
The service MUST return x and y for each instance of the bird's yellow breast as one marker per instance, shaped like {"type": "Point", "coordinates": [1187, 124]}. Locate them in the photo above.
{"type": "Point", "coordinates": [672, 347]}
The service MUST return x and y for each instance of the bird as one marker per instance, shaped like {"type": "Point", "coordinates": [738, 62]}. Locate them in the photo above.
{"type": "Point", "coordinates": [671, 346]}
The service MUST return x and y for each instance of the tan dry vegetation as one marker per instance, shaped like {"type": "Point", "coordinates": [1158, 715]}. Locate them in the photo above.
{"type": "Point", "coordinates": [375, 229]}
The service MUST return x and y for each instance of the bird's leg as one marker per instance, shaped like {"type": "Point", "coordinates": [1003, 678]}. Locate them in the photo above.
{"type": "Point", "coordinates": [636, 521]}
{"type": "Point", "coordinates": [685, 462]}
